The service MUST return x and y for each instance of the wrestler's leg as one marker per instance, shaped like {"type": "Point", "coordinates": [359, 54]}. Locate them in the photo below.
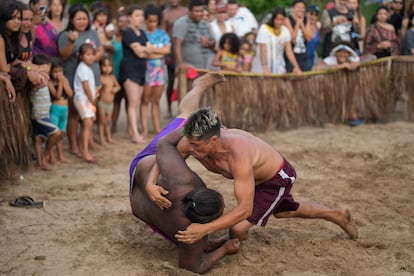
{"type": "Point", "coordinates": [191, 101]}
{"type": "Point", "coordinates": [309, 209]}
{"type": "Point", "coordinates": [240, 230]}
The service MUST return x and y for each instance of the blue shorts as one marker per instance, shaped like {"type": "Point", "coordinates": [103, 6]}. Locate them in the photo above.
{"type": "Point", "coordinates": [59, 116]}
{"type": "Point", "coordinates": [44, 127]}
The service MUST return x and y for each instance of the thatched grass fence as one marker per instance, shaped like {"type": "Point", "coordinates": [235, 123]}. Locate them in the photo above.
{"type": "Point", "coordinates": [257, 103]}
{"type": "Point", "coordinates": [15, 129]}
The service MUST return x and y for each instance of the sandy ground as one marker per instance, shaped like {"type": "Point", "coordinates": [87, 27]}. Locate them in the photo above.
{"type": "Point", "coordinates": [86, 227]}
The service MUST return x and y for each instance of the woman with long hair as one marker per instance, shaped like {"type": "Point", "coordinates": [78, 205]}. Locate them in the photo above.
{"type": "Point", "coordinates": [381, 39]}
{"type": "Point", "coordinates": [78, 32]}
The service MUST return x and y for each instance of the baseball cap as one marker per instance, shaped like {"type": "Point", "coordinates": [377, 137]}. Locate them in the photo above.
{"type": "Point", "coordinates": [221, 7]}
{"type": "Point", "coordinates": [313, 8]}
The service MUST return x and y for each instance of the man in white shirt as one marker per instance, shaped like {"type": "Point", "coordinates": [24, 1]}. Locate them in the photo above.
{"type": "Point", "coordinates": [241, 18]}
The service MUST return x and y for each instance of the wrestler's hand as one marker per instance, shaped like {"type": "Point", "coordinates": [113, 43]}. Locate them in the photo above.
{"type": "Point", "coordinates": [192, 233]}
{"type": "Point", "coordinates": [157, 195]}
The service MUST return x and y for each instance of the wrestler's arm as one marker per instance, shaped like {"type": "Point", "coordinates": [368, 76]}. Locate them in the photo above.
{"type": "Point", "coordinates": [193, 258]}
{"type": "Point", "coordinates": [171, 165]}
{"type": "Point", "coordinates": [171, 159]}
{"type": "Point", "coordinates": [244, 185]}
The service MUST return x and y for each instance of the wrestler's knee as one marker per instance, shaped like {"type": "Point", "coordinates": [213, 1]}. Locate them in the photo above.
{"type": "Point", "coordinates": [240, 230]}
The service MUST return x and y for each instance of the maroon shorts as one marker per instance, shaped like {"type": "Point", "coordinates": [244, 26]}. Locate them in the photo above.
{"type": "Point", "coordinates": [273, 196]}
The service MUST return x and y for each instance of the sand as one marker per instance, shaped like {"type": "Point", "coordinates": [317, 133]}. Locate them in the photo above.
{"type": "Point", "coordinates": [86, 227]}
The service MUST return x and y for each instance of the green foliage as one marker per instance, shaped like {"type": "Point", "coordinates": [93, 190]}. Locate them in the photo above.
{"type": "Point", "coordinates": [261, 7]}
{"type": "Point", "coordinates": [86, 2]}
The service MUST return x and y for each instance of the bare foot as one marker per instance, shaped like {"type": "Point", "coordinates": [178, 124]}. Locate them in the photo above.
{"type": "Point", "coordinates": [43, 167]}
{"type": "Point", "coordinates": [102, 143]}
{"type": "Point", "coordinates": [76, 153]}
{"type": "Point", "coordinates": [213, 244]}
{"type": "Point", "coordinates": [139, 140]}
{"type": "Point", "coordinates": [209, 79]}
{"type": "Point", "coordinates": [112, 141]}
{"type": "Point", "coordinates": [65, 161]}
{"type": "Point", "coordinates": [232, 246]}
{"type": "Point", "coordinates": [347, 224]}
{"type": "Point", "coordinates": [94, 145]}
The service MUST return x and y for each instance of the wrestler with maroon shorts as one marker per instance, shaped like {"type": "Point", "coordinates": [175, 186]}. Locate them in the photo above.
{"type": "Point", "coordinates": [262, 177]}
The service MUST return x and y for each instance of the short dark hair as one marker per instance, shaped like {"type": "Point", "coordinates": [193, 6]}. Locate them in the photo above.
{"type": "Point", "coordinates": [41, 59]}
{"type": "Point", "coordinates": [294, 2]}
{"type": "Point", "coordinates": [203, 205]}
{"type": "Point", "coordinates": [55, 62]}
{"type": "Point", "coordinates": [232, 2]}
{"type": "Point", "coordinates": [202, 124]}
{"type": "Point", "coordinates": [195, 3]}
{"type": "Point", "coordinates": [152, 10]}
{"type": "Point", "coordinates": [133, 8]}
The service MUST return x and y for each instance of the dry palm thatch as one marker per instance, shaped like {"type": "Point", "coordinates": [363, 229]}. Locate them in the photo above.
{"type": "Point", "coordinates": [258, 103]}
{"type": "Point", "coordinates": [402, 75]}
{"type": "Point", "coordinates": [14, 133]}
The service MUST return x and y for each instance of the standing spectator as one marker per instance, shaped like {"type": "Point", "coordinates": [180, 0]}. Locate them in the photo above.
{"type": "Point", "coordinates": [43, 128]}
{"type": "Point", "coordinates": [409, 10]}
{"type": "Point", "coordinates": [212, 9]}
{"type": "Point", "coordinates": [241, 18]}
{"type": "Point", "coordinates": [314, 25]}
{"type": "Point", "coordinates": [192, 38]}
{"type": "Point", "coordinates": [381, 39]}
{"type": "Point", "coordinates": [228, 58]}
{"type": "Point", "coordinates": [218, 27]}
{"type": "Point", "coordinates": [408, 41]}
{"type": "Point", "coordinates": [359, 23]}
{"type": "Point", "coordinates": [122, 23]}
{"type": "Point", "coordinates": [48, 29]}
{"type": "Point", "coordinates": [246, 54]}
{"type": "Point", "coordinates": [133, 66]}
{"type": "Point", "coordinates": [85, 97]}
{"type": "Point", "coordinates": [173, 12]}
{"type": "Point", "coordinates": [55, 15]}
{"type": "Point", "coordinates": [78, 32]}
{"type": "Point", "coordinates": [26, 38]}
{"type": "Point", "coordinates": [10, 22]}
{"type": "Point", "coordinates": [274, 41]}
{"type": "Point", "coordinates": [60, 92]}
{"type": "Point", "coordinates": [395, 18]}
{"type": "Point", "coordinates": [336, 25]}
{"type": "Point", "coordinates": [99, 22]}
{"type": "Point", "coordinates": [45, 39]}
{"type": "Point", "coordinates": [301, 33]}
{"type": "Point", "coordinates": [110, 87]}
{"type": "Point", "coordinates": [155, 73]}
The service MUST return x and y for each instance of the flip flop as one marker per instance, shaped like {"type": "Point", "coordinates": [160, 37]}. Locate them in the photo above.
{"type": "Point", "coordinates": [26, 201]}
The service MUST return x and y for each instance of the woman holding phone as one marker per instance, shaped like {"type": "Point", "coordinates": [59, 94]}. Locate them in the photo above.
{"type": "Point", "coordinates": [46, 35]}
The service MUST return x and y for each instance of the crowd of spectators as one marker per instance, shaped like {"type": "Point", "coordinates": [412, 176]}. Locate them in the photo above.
{"type": "Point", "coordinates": [141, 50]}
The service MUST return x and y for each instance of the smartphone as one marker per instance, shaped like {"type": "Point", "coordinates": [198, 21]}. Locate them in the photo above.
{"type": "Point", "coordinates": [43, 9]}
